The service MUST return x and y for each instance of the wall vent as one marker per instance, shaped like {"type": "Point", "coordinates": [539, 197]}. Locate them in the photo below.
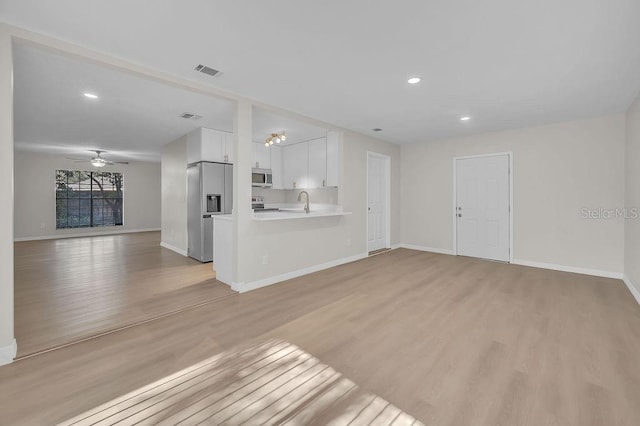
{"type": "Point", "coordinates": [207, 70]}
{"type": "Point", "coordinates": [189, 116]}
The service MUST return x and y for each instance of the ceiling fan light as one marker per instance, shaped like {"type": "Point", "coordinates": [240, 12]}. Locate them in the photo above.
{"type": "Point", "coordinates": [277, 140]}
{"type": "Point", "coordinates": [283, 137]}
{"type": "Point", "coordinates": [98, 162]}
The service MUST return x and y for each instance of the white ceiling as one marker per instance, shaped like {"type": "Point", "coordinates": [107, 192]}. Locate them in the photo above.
{"type": "Point", "coordinates": [132, 119]}
{"type": "Point", "coordinates": [505, 63]}
{"type": "Point", "coordinates": [265, 123]}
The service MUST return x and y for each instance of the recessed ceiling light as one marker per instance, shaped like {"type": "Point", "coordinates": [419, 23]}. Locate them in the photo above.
{"type": "Point", "coordinates": [90, 95]}
{"type": "Point", "coordinates": [465, 118]}
{"type": "Point", "coordinates": [414, 80]}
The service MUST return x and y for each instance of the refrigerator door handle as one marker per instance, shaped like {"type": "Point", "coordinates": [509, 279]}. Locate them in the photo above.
{"type": "Point", "coordinates": [204, 216]}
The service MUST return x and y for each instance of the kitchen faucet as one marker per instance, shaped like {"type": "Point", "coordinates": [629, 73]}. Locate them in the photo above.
{"type": "Point", "coordinates": [306, 205]}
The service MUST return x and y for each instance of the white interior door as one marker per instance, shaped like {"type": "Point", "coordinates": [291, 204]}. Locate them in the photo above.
{"type": "Point", "coordinates": [377, 181]}
{"type": "Point", "coordinates": [482, 207]}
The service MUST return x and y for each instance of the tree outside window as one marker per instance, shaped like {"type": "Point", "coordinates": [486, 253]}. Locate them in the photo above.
{"type": "Point", "coordinates": [88, 199]}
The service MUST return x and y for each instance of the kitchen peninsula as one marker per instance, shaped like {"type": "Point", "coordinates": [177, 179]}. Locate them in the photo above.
{"type": "Point", "coordinates": [223, 253]}
{"type": "Point", "coordinates": [297, 213]}
{"type": "Point", "coordinates": [296, 172]}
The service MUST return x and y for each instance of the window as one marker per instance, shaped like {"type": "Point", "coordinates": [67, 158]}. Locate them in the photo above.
{"type": "Point", "coordinates": [88, 199]}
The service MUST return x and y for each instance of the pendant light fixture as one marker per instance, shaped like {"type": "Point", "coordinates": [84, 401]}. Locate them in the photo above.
{"type": "Point", "coordinates": [275, 138]}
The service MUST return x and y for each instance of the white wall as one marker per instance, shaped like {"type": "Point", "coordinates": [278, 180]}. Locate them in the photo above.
{"type": "Point", "coordinates": [292, 245]}
{"type": "Point", "coordinates": [174, 196]}
{"type": "Point", "coordinates": [35, 198]}
{"type": "Point", "coordinates": [632, 197]}
{"type": "Point", "coordinates": [558, 170]}
{"type": "Point", "coordinates": [7, 342]}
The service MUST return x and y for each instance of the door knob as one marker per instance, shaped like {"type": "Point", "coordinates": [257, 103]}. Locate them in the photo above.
{"type": "Point", "coordinates": [459, 214]}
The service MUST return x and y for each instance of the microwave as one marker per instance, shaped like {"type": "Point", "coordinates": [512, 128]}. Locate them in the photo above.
{"type": "Point", "coordinates": [261, 178]}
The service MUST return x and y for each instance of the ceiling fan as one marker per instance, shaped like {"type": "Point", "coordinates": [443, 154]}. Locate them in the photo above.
{"type": "Point", "coordinates": [98, 161]}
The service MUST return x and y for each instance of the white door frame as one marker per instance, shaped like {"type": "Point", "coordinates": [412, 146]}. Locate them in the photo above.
{"type": "Point", "coordinates": [387, 201]}
{"type": "Point", "coordinates": [455, 198]}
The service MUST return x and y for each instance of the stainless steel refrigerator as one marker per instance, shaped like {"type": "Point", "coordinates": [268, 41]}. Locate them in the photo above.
{"type": "Point", "coordinates": [209, 192]}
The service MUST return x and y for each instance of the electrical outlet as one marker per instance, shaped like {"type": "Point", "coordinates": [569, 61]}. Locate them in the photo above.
{"type": "Point", "coordinates": [265, 259]}
{"type": "Point", "coordinates": [41, 225]}
{"type": "Point", "coordinates": [348, 242]}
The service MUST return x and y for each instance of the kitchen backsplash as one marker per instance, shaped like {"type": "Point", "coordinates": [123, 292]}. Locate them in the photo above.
{"type": "Point", "coordinates": [317, 195]}
{"type": "Point", "coordinates": [270, 196]}
{"type": "Point", "coordinates": [290, 196]}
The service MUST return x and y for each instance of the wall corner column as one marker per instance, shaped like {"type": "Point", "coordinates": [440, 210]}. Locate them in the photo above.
{"type": "Point", "coordinates": [242, 154]}
{"type": "Point", "coordinates": [7, 341]}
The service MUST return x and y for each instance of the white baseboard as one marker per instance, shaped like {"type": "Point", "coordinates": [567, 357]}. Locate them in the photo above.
{"type": "Point", "coordinates": [563, 268]}
{"type": "Point", "coordinates": [8, 353]}
{"type": "Point", "coordinates": [395, 246]}
{"type": "Point", "coordinates": [173, 248]}
{"type": "Point", "coordinates": [253, 285]}
{"type": "Point", "coordinates": [429, 249]}
{"type": "Point", "coordinates": [632, 288]}
{"type": "Point", "coordinates": [84, 234]}
{"type": "Point", "coordinates": [574, 269]}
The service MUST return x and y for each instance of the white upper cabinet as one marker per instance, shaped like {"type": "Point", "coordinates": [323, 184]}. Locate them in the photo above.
{"type": "Point", "coordinates": [295, 163]}
{"type": "Point", "coordinates": [312, 164]}
{"type": "Point", "coordinates": [261, 156]}
{"type": "Point", "coordinates": [276, 167]}
{"type": "Point", "coordinates": [209, 145]}
{"type": "Point", "coordinates": [213, 145]}
{"type": "Point", "coordinates": [317, 175]}
{"type": "Point", "coordinates": [333, 158]}
{"type": "Point", "coordinates": [228, 148]}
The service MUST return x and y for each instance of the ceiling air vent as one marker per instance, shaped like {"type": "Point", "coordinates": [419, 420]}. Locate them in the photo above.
{"type": "Point", "coordinates": [207, 70]}
{"type": "Point", "coordinates": [189, 116]}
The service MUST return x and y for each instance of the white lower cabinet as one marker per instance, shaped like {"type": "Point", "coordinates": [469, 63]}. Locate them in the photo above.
{"type": "Point", "coordinates": [222, 248]}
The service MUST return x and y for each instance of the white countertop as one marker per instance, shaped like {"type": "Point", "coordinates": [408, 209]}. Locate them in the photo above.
{"type": "Point", "coordinates": [228, 217]}
{"type": "Point", "coordinates": [288, 212]}
{"type": "Point", "coordinates": [297, 213]}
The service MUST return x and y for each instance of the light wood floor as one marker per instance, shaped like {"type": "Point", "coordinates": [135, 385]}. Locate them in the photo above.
{"type": "Point", "coordinates": [69, 289]}
{"type": "Point", "coordinates": [449, 340]}
{"type": "Point", "coordinates": [269, 383]}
